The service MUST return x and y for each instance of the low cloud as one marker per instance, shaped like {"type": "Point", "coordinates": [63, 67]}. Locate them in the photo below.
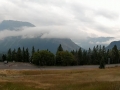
{"type": "Point", "coordinates": [61, 19]}
{"type": "Point", "coordinates": [44, 32]}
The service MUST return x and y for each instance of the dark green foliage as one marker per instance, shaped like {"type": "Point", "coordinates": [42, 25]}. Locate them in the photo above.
{"type": "Point", "coordinates": [9, 55]}
{"type": "Point", "coordinates": [36, 58]}
{"type": "Point", "coordinates": [80, 57]}
{"type": "Point", "coordinates": [93, 57]}
{"type": "Point", "coordinates": [33, 51]}
{"type": "Point", "coordinates": [85, 59]}
{"type": "Point", "coordinates": [19, 55]}
{"type": "Point", "coordinates": [65, 58]}
{"type": "Point", "coordinates": [102, 63]}
{"type": "Point", "coordinates": [89, 56]}
{"type": "Point", "coordinates": [4, 57]}
{"type": "Point", "coordinates": [44, 58]}
{"type": "Point", "coordinates": [27, 55]}
{"type": "Point", "coordinates": [115, 55]}
{"type": "Point", "coordinates": [14, 55]}
{"type": "Point", "coordinates": [60, 48]}
{"type": "Point", "coordinates": [23, 55]}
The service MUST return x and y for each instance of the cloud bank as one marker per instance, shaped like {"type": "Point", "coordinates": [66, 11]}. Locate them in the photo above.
{"type": "Point", "coordinates": [78, 20]}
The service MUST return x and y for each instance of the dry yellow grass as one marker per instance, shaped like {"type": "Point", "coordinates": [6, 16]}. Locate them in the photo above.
{"type": "Point", "coordinates": [83, 79]}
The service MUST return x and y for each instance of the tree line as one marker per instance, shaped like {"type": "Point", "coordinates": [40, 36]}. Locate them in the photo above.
{"type": "Point", "coordinates": [97, 55]}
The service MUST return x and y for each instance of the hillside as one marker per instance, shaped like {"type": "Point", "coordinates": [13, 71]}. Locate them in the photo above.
{"type": "Point", "coordinates": [111, 45]}
{"type": "Point", "coordinates": [39, 43]}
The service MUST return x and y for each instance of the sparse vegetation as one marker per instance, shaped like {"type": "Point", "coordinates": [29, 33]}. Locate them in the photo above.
{"type": "Point", "coordinates": [83, 79]}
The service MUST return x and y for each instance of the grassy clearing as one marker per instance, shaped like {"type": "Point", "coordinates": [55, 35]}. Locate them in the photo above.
{"type": "Point", "coordinates": [83, 79]}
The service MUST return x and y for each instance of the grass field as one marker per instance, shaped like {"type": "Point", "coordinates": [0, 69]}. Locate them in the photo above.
{"type": "Point", "coordinates": [83, 79]}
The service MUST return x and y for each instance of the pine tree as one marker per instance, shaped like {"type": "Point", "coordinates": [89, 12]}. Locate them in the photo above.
{"type": "Point", "coordinates": [19, 55]}
{"type": "Point", "coordinates": [89, 56]}
{"type": "Point", "coordinates": [115, 54]}
{"type": "Point", "coordinates": [27, 55]}
{"type": "Point", "coordinates": [80, 57]}
{"type": "Point", "coordinates": [23, 55]}
{"type": "Point", "coordinates": [9, 55]}
{"type": "Point", "coordinates": [4, 57]}
{"type": "Point", "coordinates": [14, 55]}
{"type": "Point", "coordinates": [33, 50]}
{"type": "Point", "coordinates": [60, 48]}
{"type": "Point", "coordinates": [85, 59]}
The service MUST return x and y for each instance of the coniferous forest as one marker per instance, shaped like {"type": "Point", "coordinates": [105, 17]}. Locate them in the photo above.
{"type": "Point", "coordinates": [98, 55]}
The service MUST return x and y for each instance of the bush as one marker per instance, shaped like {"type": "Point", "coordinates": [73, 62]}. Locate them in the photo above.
{"type": "Point", "coordinates": [65, 58]}
{"type": "Point", "coordinates": [102, 63]}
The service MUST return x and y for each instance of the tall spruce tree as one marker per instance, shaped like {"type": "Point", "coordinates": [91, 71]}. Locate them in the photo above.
{"type": "Point", "coordinates": [33, 51]}
{"type": "Point", "coordinates": [89, 56]}
{"type": "Point", "coordinates": [23, 54]}
{"type": "Point", "coordinates": [115, 54]}
{"type": "Point", "coordinates": [4, 57]}
{"type": "Point", "coordinates": [27, 55]}
{"type": "Point", "coordinates": [60, 48]}
{"type": "Point", "coordinates": [19, 55]}
{"type": "Point", "coordinates": [80, 57]}
{"type": "Point", "coordinates": [9, 55]}
{"type": "Point", "coordinates": [14, 55]}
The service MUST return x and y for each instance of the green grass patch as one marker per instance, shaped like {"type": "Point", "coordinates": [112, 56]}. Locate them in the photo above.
{"type": "Point", "coordinates": [17, 86]}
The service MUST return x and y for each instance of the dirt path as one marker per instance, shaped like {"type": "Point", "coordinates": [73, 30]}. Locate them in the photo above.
{"type": "Point", "coordinates": [21, 66]}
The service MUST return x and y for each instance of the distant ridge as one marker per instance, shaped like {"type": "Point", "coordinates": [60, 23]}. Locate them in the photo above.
{"type": "Point", "coordinates": [111, 45]}
{"type": "Point", "coordinates": [14, 25]}
{"type": "Point", "coordinates": [38, 42]}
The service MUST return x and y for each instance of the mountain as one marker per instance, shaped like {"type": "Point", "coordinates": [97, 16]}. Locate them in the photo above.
{"type": "Point", "coordinates": [14, 25]}
{"type": "Point", "coordinates": [111, 45]}
{"type": "Point", "coordinates": [39, 43]}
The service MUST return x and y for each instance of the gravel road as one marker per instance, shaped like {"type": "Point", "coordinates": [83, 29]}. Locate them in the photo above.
{"type": "Point", "coordinates": [24, 66]}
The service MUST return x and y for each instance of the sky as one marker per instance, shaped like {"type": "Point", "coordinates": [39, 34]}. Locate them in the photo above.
{"type": "Point", "coordinates": [86, 22]}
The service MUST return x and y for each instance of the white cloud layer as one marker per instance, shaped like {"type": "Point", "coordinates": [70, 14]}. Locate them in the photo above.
{"type": "Point", "coordinates": [75, 19]}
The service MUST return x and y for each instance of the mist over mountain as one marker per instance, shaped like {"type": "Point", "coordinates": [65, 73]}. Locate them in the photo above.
{"type": "Point", "coordinates": [38, 42]}
{"type": "Point", "coordinates": [91, 42]}
{"type": "Point", "coordinates": [14, 25]}
{"type": "Point", "coordinates": [111, 45]}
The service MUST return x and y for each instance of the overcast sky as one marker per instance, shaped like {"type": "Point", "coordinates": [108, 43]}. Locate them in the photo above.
{"type": "Point", "coordinates": [84, 21]}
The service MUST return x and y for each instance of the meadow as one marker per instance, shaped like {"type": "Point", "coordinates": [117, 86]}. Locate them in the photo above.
{"type": "Point", "coordinates": [82, 79]}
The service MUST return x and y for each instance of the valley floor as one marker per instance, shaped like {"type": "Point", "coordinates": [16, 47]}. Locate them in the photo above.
{"type": "Point", "coordinates": [61, 79]}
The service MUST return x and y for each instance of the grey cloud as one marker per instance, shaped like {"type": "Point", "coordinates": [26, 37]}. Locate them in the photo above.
{"type": "Point", "coordinates": [107, 14]}
{"type": "Point", "coordinates": [90, 42]}
{"type": "Point", "coordinates": [44, 32]}
{"type": "Point", "coordinates": [54, 18]}
{"type": "Point", "coordinates": [79, 11]}
{"type": "Point", "coordinates": [104, 29]}
{"type": "Point", "coordinates": [34, 12]}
